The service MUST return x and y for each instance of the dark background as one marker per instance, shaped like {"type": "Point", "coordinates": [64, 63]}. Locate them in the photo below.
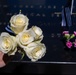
{"type": "Point", "coordinates": [47, 15]}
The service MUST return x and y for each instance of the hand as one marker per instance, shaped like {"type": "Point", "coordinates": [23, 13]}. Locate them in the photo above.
{"type": "Point", "coordinates": [2, 63]}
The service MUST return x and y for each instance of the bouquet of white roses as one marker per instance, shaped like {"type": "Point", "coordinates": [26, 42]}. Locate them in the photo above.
{"type": "Point", "coordinates": [29, 40]}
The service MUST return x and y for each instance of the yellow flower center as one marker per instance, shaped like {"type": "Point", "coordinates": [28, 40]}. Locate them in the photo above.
{"type": "Point", "coordinates": [6, 43]}
{"type": "Point", "coordinates": [37, 49]}
{"type": "Point", "coordinates": [19, 21]}
{"type": "Point", "coordinates": [25, 37]}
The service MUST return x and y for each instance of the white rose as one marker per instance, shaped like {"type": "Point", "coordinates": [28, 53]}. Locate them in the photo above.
{"type": "Point", "coordinates": [39, 33]}
{"type": "Point", "coordinates": [18, 23]}
{"type": "Point", "coordinates": [8, 43]}
{"type": "Point", "coordinates": [35, 51]}
{"type": "Point", "coordinates": [24, 38]}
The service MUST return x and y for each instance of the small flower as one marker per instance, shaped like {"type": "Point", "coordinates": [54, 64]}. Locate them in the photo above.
{"type": "Point", "coordinates": [75, 43]}
{"type": "Point", "coordinates": [69, 44]}
{"type": "Point", "coordinates": [75, 33]}
{"type": "Point", "coordinates": [18, 23]}
{"type": "Point", "coordinates": [35, 51]}
{"type": "Point", "coordinates": [65, 32]}
{"type": "Point", "coordinates": [8, 44]}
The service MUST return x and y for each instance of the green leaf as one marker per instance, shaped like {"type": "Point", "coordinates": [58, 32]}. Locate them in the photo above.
{"type": "Point", "coordinates": [72, 36]}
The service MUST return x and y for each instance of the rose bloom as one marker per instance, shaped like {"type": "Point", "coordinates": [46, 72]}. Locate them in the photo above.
{"type": "Point", "coordinates": [8, 44]}
{"type": "Point", "coordinates": [38, 32]}
{"type": "Point", "coordinates": [35, 51]}
{"type": "Point", "coordinates": [24, 38]}
{"type": "Point", "coordinates": [18, 23]}
{"type": "Point", "coordinates": [69, 44]}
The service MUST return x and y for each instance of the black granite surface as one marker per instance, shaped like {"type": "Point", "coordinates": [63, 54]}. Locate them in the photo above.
{"type": "Point", "coordinates": [47, 15]}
